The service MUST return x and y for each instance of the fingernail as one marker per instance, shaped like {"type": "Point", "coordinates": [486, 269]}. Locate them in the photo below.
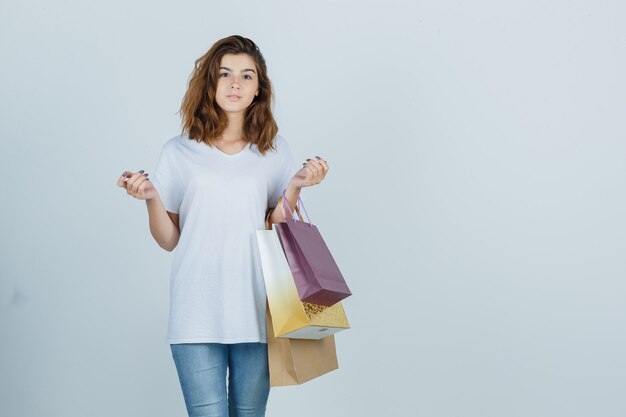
{"type": "Point", "coordinates": [318, 157]}
{"type": "Point", "coordinates": [145, 175]}
{"type": "Point", "coordinates": [125, 173]}
{"type": "Point", "coordinates": [141, 172]}
{"type": "Point", "coordinates": [308, 159]}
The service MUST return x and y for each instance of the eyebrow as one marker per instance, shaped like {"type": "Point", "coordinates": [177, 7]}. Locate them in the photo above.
{"type": "Point", "coordinates": [243, 70]}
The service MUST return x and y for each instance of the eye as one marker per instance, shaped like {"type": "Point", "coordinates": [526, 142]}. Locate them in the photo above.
{"type": "Point", "coordinates": [224, 73]}
{"type": "Point", "coordinates": [248, 76]}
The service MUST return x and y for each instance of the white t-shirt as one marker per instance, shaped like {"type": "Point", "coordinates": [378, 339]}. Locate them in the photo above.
{"type": "Point", "coordinates": [217, 292]}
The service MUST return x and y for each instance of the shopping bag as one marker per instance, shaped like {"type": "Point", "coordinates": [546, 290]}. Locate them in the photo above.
{"type": "Point", "coordinates": [316, 274]}
{"type": "Point", "coordinates": [295, 361]}
{"type": "Point", "coordinates": [291, 317]}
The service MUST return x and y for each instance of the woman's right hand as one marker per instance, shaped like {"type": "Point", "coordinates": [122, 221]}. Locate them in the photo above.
{"type": "Point", "coordinates": [137, 185]}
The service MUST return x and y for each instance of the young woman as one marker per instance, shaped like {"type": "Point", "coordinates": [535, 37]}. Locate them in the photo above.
{"type": "Point", "coordinates": [213, 187]}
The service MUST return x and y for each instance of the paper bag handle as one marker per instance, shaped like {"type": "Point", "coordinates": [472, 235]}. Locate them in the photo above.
{"type": "Point", "coordinates": [285, 203]}
{"type": "Point", "coordinates": [269, 213]}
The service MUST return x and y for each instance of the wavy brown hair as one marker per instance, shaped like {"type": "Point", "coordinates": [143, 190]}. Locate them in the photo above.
{"type": "Point", "coordinates": [203, 118]}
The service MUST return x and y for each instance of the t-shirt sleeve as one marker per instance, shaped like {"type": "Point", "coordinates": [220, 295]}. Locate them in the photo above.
{"type": "Point", "coordinates": [165, 179]}
{"type": "Point", "coordinates": [285, 168]}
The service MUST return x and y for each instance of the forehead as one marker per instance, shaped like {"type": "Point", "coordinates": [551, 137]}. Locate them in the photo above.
{"type": "Point", "coordinates": [237, 62]}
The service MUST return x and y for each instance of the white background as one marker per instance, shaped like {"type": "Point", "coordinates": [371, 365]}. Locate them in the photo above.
{"type": "Point", "coordinates": [475, 202]}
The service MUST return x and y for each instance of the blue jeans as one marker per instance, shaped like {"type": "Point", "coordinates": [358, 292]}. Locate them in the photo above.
{"type": "Point", "coordinates": [201, 369]}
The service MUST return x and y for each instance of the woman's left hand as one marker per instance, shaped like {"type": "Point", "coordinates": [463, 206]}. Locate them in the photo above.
{"type": "Point", "coordinates": [312, 173]}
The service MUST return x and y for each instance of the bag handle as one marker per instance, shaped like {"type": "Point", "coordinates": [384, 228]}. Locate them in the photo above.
{"type": "Point", "coordinates": [295, 209]}
{"type": "Point", "coordinates": [280, 202]}
{"type": "Point", "coordinates": [269, 213]}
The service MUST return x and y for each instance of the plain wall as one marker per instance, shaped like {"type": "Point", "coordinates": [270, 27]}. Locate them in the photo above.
{"type": "Point", "coordinates": [475, 200]}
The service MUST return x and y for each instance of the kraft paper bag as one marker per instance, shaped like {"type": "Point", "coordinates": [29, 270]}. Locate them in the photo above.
{"type": "Point", "coordinates": [295, 361]}
{"type": "Point", "coordinates": [291, 317]}
{"type": "Point", "coordinates": [317, 276]}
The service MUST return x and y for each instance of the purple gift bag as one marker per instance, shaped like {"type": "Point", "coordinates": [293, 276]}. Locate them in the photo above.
{"type": "Point", "coordinates": [314, 270]}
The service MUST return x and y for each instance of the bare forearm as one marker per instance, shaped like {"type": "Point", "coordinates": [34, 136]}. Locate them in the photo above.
{"type": "Point", "coordinates": [292, 194]}
{"type": "Point", "coordinates": [162, 228]}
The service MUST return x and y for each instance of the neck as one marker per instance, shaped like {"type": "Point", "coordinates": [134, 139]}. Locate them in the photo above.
{"type": "Point", "coordinates": [234, 131]}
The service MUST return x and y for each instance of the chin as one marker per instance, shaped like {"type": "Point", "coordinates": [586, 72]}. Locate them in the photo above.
{"type": "Point", "coordinates": [239, 106]}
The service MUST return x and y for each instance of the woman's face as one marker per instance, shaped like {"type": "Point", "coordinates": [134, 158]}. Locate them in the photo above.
{"type": "Point", "coordinates": [237, 84]}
